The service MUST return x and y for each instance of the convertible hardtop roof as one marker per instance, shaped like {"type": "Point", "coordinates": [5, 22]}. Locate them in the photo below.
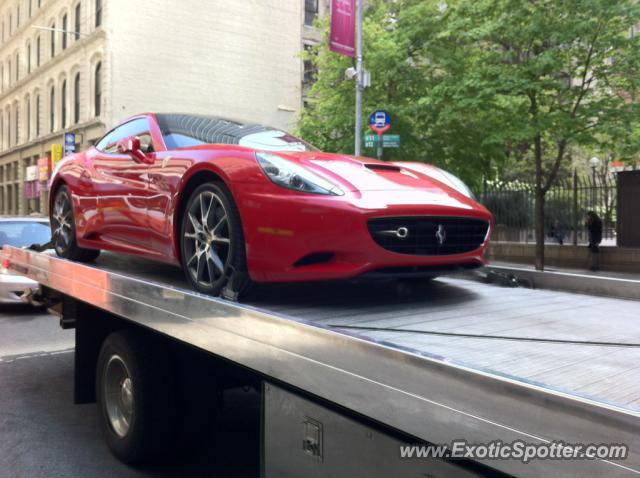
{"type": "Point", "coordinates": [209, 129]}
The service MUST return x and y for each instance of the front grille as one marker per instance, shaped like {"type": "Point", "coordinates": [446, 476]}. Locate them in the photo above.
{"type": "Point", "coordinates": [429, 235]}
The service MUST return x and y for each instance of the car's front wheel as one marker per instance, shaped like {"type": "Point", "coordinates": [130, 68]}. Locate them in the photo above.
{"type": "Point", "coordinates": [63, 230]}
{"type": "Point", "coordinates": [212, 242]}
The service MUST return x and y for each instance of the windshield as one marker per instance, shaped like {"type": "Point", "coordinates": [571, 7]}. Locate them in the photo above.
{"type": "Point", "coordinates": [183, 131]}
{"type": "Point", "coordinates": [24, 233]}
{"type": "Point", "coordinates": [274, 140]}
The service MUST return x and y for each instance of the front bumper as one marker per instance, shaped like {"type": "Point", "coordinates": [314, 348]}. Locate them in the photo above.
{"type": "Point", "coordinates": [283, 234]}
{"type": "Point", "coordinates": [12, 288]}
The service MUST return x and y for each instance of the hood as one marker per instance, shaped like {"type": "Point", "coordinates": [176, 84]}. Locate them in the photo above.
{"type": "Point", "coordinates": [405, 179]}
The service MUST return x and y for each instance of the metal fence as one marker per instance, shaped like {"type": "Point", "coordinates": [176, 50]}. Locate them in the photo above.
{"type": "Point", "coordinates": [566, 206]}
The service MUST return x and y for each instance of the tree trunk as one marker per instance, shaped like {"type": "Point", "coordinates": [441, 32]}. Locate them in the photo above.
{"type": "Point", "coordinates": [539, 205]}
{"type": "Point", "coordinates": [539, 220]}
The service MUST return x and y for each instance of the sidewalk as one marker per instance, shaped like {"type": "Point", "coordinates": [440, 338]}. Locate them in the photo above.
{"type": "Point", "coordinates": [603, 283]}
{"type": "Point", "coordinates": [568, 270]}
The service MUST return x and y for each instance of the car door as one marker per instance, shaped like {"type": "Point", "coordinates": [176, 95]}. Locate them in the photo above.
{"type": "Point", "coordinates": [122, 188]}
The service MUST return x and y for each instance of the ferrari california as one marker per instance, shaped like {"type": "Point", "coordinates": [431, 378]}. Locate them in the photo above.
{"type": "Point", "coordinates": [233, 203]}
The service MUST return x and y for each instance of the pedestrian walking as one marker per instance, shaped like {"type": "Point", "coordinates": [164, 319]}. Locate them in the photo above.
{"type": "Point", "coordinates": [557, 232]}
{"type": "Point", "coordinates": [594, 226]}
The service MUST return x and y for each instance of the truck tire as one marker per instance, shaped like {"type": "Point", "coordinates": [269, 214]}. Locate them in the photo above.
{"type": "Point", "coordinates": [135, 390]}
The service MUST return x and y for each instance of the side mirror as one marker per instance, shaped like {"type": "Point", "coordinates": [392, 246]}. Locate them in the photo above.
{"type": "Point", "coordinates": [131, 146]}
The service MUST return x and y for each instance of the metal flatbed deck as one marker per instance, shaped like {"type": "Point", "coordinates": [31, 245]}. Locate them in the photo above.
{"type": "Point", "coordinates": [448, 360]}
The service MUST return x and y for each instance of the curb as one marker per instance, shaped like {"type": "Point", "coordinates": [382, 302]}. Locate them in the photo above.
{"type": "Point", "coordinates": [567, 281]}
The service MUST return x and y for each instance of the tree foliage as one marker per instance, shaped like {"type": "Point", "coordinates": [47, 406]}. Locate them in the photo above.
{"type": "Point", "coordinates": [484, 85]}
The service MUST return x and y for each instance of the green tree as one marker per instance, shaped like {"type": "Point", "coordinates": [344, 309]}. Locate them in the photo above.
{"type": "Point", "coordinates": [481, 83]}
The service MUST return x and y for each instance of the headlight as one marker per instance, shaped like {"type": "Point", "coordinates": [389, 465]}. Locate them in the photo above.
{"type": "Point", "coordinates": [458, 184]}
{"type": "Point", "coordinates": [293, 176]}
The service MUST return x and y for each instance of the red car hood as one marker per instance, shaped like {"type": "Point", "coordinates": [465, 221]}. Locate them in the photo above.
{"type": "Point", "coordinates": [410, 182]}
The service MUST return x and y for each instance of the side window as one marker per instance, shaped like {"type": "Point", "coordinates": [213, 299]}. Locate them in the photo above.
{"type": "Point", "coordinates": [138, 127]}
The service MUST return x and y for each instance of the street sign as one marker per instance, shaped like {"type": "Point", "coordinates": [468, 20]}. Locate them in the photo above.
{"type": "Point", "coordinates": [388, 141]}
{"type": "Point", "coordinates": [69, 143]}
{"type": "Point", "coordinates": [380, 121]}
{"type": "Point", "coordinates": [371, 140]}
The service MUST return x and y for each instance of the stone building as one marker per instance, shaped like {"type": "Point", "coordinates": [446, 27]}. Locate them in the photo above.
{"type": "Point", "coordinates": [81, 66]}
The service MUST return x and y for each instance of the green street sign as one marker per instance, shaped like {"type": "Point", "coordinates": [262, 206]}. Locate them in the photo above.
{"type": "Point", "coordinates": [388, 141]}
{"type": "Point", "coordinates": [370, 140]}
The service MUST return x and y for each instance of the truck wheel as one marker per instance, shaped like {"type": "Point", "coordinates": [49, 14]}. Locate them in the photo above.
{"type": "Point", "coordinates": [63, 230]}
{"type": "Point", "coordinates": [135, 390]}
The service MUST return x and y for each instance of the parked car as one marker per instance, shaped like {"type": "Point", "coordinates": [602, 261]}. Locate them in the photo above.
{"type": "Point", "coordinates": [235, 202]}
{"type": "Point", "coordinates": [19, 232]}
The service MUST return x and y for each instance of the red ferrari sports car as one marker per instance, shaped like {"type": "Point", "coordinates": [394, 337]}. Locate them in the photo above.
{"type": "Point", "coordinates": [234, 203]}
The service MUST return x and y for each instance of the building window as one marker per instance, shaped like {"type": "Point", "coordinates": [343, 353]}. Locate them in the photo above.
{"type": "Point", "coordinates": [63, 99]}
{"type": "Point", "coordinates": [98, 13]}
{"type": "Point", "coordinates": [29, 58]}
{"type": "Point", "coordinates": [310, 11]}
{"type": "Point", "coordinates": [64, 31]}
{"type": "Point", "coordinates": [37, 115]}
{"type": "Point", "coordinates": [37, 52]}
{"type": "Point", "coordinates": [76, 99]}
{"type": "Point", "coordinates": [30, 8]}
{"type": "Point", "coordinates": [97, 98]}
{"type": "Point", "coordinates": [77, 19]}
{"type": "Point", "coordinates": [52, 110]}
{"type": "Point", "coordinates": [17, 17]}
{"type": "Point", "coordinates": [28, 117]}
{"type": "Point", "coordinates": [53, 39]}
{"type": "Point", "coordinates": [17, 66]}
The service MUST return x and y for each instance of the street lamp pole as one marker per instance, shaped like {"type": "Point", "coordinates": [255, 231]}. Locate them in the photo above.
{"type": "Point", "coordinates": [359, 77]}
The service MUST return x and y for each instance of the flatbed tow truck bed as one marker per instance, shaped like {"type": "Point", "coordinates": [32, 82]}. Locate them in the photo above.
{"type": "Point", "coordinates": [451, 359]}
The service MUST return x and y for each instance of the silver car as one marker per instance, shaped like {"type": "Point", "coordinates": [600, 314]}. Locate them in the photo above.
{"type": "Point", "coordinates": [19, 232]}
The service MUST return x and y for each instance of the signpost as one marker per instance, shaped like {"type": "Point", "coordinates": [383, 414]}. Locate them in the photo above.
{"type": "Point", "coordinates": [380, 122]}
{"type": "Point", "coordinates": [388, 141]}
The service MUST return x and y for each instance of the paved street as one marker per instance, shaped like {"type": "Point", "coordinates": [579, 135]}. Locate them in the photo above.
{"type": "Point", "coordinates": [43, 434]}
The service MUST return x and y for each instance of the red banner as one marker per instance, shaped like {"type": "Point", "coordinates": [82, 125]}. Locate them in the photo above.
{"type": "Point", "coordinates": [343, 27]}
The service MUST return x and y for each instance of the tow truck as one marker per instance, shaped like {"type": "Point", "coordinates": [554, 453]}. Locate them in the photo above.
{"type": "Point", "coordinates": [349, 373]}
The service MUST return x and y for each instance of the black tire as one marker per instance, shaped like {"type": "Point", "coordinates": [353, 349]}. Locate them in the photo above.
{"type": "Point", "coordinates": [152, 422]}
{"type": "Point", "coordinates": [63, 230]}
{"type": "Point", "coordinates": [217, 264]}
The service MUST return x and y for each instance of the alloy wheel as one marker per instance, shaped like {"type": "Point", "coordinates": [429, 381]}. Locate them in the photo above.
{"type": "Point", "coordinates": [207, 239]}
{"type": "Point", "coordinates": [61, 223]}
